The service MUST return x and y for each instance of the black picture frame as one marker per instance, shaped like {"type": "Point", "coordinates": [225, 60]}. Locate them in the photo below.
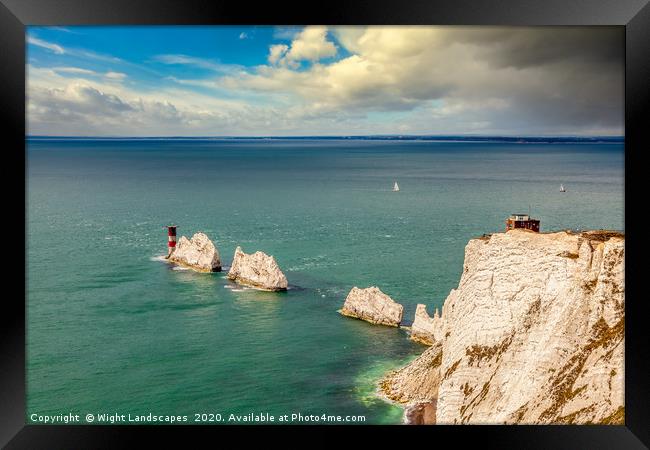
{"type": "Point", "coordinates": [634, 15]}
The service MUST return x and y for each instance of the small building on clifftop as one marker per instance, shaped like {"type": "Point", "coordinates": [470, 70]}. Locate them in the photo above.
{"type": "Point", "coordinates": [522, 221]}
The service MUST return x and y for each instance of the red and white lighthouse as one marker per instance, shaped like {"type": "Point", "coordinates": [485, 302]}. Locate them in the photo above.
{"type": "Point", "coordinates": [171, 239]}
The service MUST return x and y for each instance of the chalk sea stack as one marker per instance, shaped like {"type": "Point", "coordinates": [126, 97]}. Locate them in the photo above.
{"type": "Point", "coordinates": [534, 334]}
{"type": "Point", "coordinates": [257, 270]}
{"type": "Point", "coordinates": [426, 330]}
{"type": "Point", "coordinates": [373, 306]}
{"type": "Point", "coordinates": [198, 253]}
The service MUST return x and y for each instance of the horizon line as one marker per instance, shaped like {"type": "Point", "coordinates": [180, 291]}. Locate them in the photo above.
{"type": "Point", "coordinates": [398, 136]}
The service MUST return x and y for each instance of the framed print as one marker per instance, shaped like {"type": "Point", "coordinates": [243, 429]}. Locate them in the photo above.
{"type": "Point", "coordinates": [413, 218]}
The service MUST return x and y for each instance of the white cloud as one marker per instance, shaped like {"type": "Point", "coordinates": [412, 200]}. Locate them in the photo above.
{"type": "Point", "coordinates": [80, 53]}
{"type": "Point", "coordinates": [202, 63]}
{"type": "Point", "coordinates": [185, 60]}
{"type": "Point", "coordinates": [78, 71]}
{"type": "Point", "coordinates": [420, 80]}
{"type": "Point", "coordinates": [311, 44]}
{"type": "Point", "coordinates": [118, 76]}
{"type": "Point", "coordinates": [44, 44]}
{"type": "Point", "coordinates": [277, 52]}
{"type": "Point", "coordinates": [96, 56]}
{"type": "Point", "coordinates": [61, 105]}
{"type": "Point", "coordinates": [63, 29]}
{"type": "Point", "coordinates": [483, 69]}
{"type": "Point", "coordinates": [74, 70]}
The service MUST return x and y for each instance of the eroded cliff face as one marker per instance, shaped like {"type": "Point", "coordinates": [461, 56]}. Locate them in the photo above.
{"type": "Point", "coordinates": [533, 334]}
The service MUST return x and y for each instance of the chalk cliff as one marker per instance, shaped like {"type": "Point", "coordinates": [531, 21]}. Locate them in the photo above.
{"type": "Point", "coordinates": [198, 253]}
{"type": "Point", "coordinates": [373, 306]}
{"type": "Point", "coordinates": [534, 334]}
{"type": "Point", "coordinates": [257, 270]}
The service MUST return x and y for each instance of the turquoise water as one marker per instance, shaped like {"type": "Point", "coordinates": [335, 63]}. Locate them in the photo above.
{"type": "Point", "coordinates": [112, 329]}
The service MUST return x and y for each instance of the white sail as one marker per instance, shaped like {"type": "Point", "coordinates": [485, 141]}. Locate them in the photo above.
{"type": "Point", "coordinates": [395, 187]}
{"type": "Point", "coordinates": [562, 188]}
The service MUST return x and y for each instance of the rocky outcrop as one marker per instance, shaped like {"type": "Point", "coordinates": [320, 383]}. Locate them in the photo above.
{"type": "Point", "coordinates": [198, 253]}
{"type": "Point", "coordinates": [534, 334]}
{"type": "Point", "coordinates": [373, 306]}
{"type": "Point", "coordinates": [426, 330]}
{"type": "Point", "coordinates": [421, 413]}
{"type": "Point", "coordinates": [257, 270]}
{"type": "Point", "coordinates": [417, 382]}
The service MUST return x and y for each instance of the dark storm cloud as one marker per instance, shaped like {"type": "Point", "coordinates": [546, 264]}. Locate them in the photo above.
{"type": "Point", "coordinates": [538, 46]}
{"type": "Point", "coordinates": [576, 75]}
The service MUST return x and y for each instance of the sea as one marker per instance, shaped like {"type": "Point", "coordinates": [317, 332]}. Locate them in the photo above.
{"type": "Point", "coordinates": [114, 329]}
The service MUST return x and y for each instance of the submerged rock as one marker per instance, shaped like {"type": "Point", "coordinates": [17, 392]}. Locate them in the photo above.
{"type": "Point", "coordinates": [257, 270]}
{"type": "Point", "coordinates": [373, 306]}
{"type": "Point", "coordinates": [198, 253]}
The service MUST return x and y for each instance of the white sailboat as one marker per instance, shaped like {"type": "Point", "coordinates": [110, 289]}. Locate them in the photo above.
{"type": "Point", "coordinates": [395, 187]}
{"type": "Point", "coordinates": [562, 188]}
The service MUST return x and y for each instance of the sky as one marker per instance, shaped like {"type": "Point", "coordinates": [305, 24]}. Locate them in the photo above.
{"type": "Point", "coordinates": [322, 81]}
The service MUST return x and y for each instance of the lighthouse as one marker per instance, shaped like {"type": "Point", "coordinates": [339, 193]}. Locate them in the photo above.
{"type": "Point", "coordinates": [171, 239]}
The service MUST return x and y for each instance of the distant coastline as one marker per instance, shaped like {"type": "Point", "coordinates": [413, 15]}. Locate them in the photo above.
{"type": "Point", "coordinates": [396, 137]}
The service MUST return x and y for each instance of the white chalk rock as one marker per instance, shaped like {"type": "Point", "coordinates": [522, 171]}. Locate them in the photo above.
{"type": "Point", "coordinates": [198, 253]}
{"type": "Point", "coordinates": [534, 334]}
{"type": "Point", "coordinates": [373, 306]}
{"type": "Point", "coordinates": [426, 330]}
{"type": "Point", "coordinates": [257, 270]}
{"type": "Point", "coordinates": [420, 413]}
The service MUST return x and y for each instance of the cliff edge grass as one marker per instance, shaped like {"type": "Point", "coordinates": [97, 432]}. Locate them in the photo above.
{"type": "Point", "coordinates": [534, 334]}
